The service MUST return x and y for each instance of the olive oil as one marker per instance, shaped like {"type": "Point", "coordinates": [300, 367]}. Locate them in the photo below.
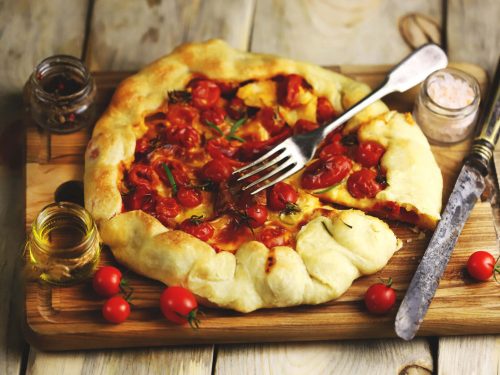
{"type": "Point", "coordinates": [64, 244]}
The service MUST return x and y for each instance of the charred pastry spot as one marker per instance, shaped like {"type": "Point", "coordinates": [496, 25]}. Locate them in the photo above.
{"type": "Point", "coordinates": [270, 261]}
{"type": "Point", "coordinates": [94, 153]}
{"type": "Point", "coordinates": [179, 96]}
{"type": "Point", "coordinates": [158, 116]}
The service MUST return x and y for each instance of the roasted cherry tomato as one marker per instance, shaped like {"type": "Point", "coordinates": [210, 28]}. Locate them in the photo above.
{"type": "Point", "coordinates": [195, 226]}
{"type": "Point", "coordinates": [220, 147]}
{"type": "Point", "coordinates": [189, 197]}
{"type": "Point", "coordinates": [334, 147]}
{"type": "Point", "coordinates": [167, 207]}
{"type": "Point", "coordinates": [281, 194]}
{"type": "Point", "coordinates": [140, 199]}
{"type": "Point", "coordinates": [252, 150]}
{"type": "Point", "coordinates": [289, 90]}
{"type": "Point", "coordinates": [369, 153]}
{"type": "Point", "coordinates": [179, 306]}
{"type": "Point", "coordinates": [185, 136]}
{"type": "Point", "coordinates": [274, 236]}
{"type": "Point", "coordinates": [324, 173]}
{"type": "Point", "coordinates": [140, 174]}
{"type": "Point", "coordinates": [106, 281]}
{"type": "Point", "coordinates": [324, 111]}
{"type": "Point", "coordinates": [236, 108]}
{"type": "Point", "coordinates": [116, 310]}
{"type": "Point", "coordinates": [205, 94]}
{"type": "Point", "coordinates": [257, 215]}
{"type": "Point", "coordinates": [217, 170]}
{"type": "Point", "coordinates": [380, 297]}
{"type": "Point", "coordinates": [304, 126]}
{"type": "Point", "coordinates": [481, 265]}
{"type": "Point", "coordinates": [271, 120]}
{"type": "Point", "coordinates": [363, 184]}
{"type": "Point", "coordinates": [215, 115]}
{"type": "Point", "coordinates": [181, 115]}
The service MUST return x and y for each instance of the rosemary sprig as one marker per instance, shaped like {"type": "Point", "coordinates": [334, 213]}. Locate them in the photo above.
{"type": "Point", "coordinates": [347, 225]}
{"type": "Point", "coordinates": [235, 127]}
{"type": "Point", "coordinates": [170, 177]}
{"type": "Point", "coordinates": [235, 137]}
{"type": "Point", "coordinates": [215, 127]}
{"type": "Point", "coordinates": [327, 230]}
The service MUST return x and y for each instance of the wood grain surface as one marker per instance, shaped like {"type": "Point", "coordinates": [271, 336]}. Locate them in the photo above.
{"type": "Point", "coordinates": [153, 28]}
{"type": "Point", "coordinates": [58, 317]}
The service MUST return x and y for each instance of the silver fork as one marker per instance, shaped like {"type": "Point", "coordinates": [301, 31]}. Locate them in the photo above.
{"type": "Point", "coordinates": [291, 155]}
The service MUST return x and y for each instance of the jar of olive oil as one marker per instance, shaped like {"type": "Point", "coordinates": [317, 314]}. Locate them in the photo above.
{"type": "Point", "coordinates": [64, 244]}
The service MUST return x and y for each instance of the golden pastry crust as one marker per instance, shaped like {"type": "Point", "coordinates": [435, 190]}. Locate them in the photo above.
{"type": "Point", "coordinates": [352, 243]}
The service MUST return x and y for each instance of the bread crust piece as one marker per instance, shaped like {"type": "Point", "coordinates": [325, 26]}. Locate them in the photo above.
{"type": "Point", "coordinates": [254, 277]}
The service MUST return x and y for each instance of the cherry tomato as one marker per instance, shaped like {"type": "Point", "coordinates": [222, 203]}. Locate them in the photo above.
{"type": "Point", "coordinates": [274, 236]}
{"type": "Point", "coordinates": [220, 147]}
{"type": "Point", "coordinates": [179, 306]}
{"type": "Point", "coordinates": [335, 147]}
{"type": "Point", "coordinates": [140, 199]}
{"type": "Point", "coordinates": [205, 94]}
{"type": "Point", "coordinates": [271, 120]}
{"type": "Point", "coordinates": [116, 310]}
{"type": "Point", "coordinates": [185, 136]}
{"type": "Point", "coordinates": [140, 174]}
{"type": "Point", "coordinates": [106, 281]}
{"type": "Point", "coordinates": [363, 184]}
{"type": "Point", "coordinates": [252, 150]}
{"type": "Point", "coordinates": [304, 126]}
{"type": "Point", "coordinates": [379, 298]}
{"type": "Point", "coordinates": [281, 194]}
{"type": "Point", "coordinates": [215, 115]}
{"type": "Point", "coordinates": [288, 90]}
{"type": "Point", "coordinates": [324, 173]}
{"type": "Point", "coordinates": [181, 115]}
{"type": "Point", "coordinates": [189, 197]}
{"type": "Point", "coordinates": [324, 111]}
{"type": "Point", "coordinates": [481, 265]}
{"type": "Point", "coordinates": [198, 228]}
{"type": "Point", "coordinates": [217, 170]}
{"type": "Point", "coordinates": [167, 207]}
{"type": "Point", "coordinates": [236, 108]}
{"type": "Point", "coordinates": [257, 215]}
{"type": "Point", "coordinates": [369, 153]}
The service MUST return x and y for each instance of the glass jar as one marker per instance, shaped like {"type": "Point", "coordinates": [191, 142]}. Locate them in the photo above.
{"type": "Point", "coordinates": [60, 94]}
{"type": "Point", "coordinates": [64, 244]}
{"type": "Point", "coordinates": [454, 121]}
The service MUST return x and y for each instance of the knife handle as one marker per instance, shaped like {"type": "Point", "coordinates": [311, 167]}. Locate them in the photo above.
{"type": "Point", "coordinates": [484, 143]}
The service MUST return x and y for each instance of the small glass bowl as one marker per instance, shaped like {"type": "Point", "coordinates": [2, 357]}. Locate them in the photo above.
{"type": "Point", "coordinates": [444, 125]}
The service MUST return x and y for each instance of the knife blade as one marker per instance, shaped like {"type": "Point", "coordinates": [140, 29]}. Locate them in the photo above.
{"type": "Point", "coordinates": [467, 190]}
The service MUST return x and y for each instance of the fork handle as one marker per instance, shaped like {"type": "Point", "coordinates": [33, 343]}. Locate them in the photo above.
{"type": "Point", "coordinates": [408, 73]}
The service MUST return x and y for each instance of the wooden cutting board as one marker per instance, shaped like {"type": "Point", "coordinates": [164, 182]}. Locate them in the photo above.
{"type": "Point", "coordinates": [63, 318]}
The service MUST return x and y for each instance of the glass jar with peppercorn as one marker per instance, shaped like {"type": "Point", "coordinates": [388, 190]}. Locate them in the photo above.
{"type": "Point", "coordinates": [60, 94]}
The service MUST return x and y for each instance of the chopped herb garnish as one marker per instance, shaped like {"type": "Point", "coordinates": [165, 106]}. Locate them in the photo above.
{"type": "Point", "coordinates": [327, 230]}
{"type": "Point", "coordinates": [215, 127]}
{"type": "Point", "coordinates": [327, 189]}
{"type": "Point", "coordinates": [196, 219]}
{"type": "Point", "coordinates": [347, 225]}
{"type": "Point", "coordinates": [179, 96]}
{"type": "Point", "coordinates": [291, 208]}
{"type": "Point", "coordinates": [235, 137]}
{"type": "Point", "coordinates": [170, 177]}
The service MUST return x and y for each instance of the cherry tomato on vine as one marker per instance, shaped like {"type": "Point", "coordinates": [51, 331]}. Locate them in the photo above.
{"type": "Point", "coordinates": [380, 297]}
{"type": "Point", "coordinates": [106, 281]}
{"type": "Point", "coordinates": [481, 265]}
{"type": "Point", "coordinates": [197, 227]}
{"type": "Point", "coordinates": [179, 306]}
{"type": "Point", "coordinates": [281, 194]}
{"type": "Point", "coordinates": [116, 310]}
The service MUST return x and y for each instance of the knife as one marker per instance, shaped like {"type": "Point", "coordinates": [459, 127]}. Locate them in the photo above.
{"type": "Point", "coordinates": [468, 188]}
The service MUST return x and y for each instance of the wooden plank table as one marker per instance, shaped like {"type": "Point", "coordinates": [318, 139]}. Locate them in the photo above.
{"type": "Point", "coordinates": [118, 35]}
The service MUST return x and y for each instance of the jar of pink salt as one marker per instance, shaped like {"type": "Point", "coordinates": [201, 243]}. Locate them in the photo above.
{"type": "Point", "coordinates": [447, 106]}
